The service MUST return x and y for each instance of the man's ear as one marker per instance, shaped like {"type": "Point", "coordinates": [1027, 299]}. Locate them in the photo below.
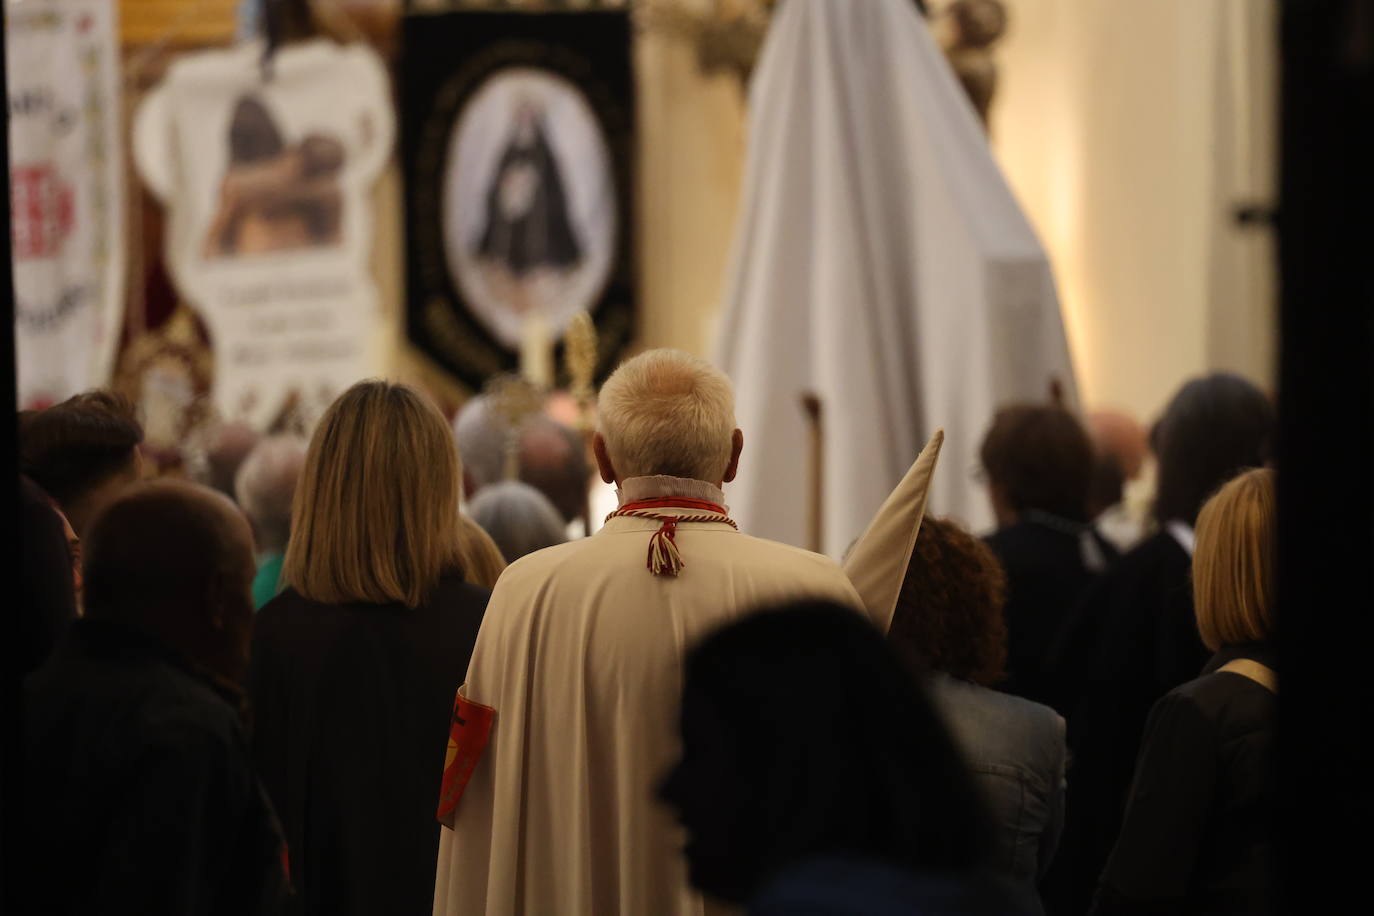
{"type": "Point", "coordinates": [603, 459]}
{"type": "Point", "coordinates": [736, 446]}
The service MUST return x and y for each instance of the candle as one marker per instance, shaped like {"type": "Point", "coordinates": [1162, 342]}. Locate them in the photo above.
{"type": "Point", "coordinates": [536, 352]}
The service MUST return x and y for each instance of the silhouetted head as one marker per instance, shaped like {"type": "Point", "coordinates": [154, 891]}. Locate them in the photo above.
{"type": "Point", "coordinates": [175, 559]}
{"type": "Point", "coordinates": [1037, 457]}
{"type": "Point", "coordinates": [804, 735]}
{"type": "Point", "coordinates": [1214, 428]}
{"type": "Point", "coordinates": [82, 451]}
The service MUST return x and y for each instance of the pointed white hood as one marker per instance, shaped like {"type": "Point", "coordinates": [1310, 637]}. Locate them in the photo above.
{"type": "Point", "coordinates": [876, 564]}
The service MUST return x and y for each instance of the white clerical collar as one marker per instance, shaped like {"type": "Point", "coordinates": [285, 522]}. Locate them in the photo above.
{"type": "Point", "coordinates": [660, 485]}
{"type": "Point", "coordinates": [1183, 533]}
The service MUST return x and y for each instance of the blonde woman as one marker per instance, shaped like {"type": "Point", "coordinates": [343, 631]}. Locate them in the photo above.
{"type": "Point", "coordinates": [1195, 838]}
{"type": "Point", "coordinates": [356, 662]}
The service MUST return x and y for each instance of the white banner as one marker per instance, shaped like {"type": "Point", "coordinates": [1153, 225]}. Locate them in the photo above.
{"type": "Point", "coordinates": [266, 179]}
{"type": "Point", "coordinates": [66, 194]}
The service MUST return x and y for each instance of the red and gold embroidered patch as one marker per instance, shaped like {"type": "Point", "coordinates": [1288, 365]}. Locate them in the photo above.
{"type": "Point", "coordinates": [468, 733]}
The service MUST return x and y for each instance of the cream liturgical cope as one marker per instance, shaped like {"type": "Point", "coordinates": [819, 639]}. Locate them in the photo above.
{"type": "Point", "coordinates": [880, 263]}
{"type": "Point", "coordinates": [580, 654]}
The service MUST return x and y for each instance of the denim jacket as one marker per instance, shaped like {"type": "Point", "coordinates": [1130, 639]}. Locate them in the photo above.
{"type": "Point", "coordinates": [1016, 751]}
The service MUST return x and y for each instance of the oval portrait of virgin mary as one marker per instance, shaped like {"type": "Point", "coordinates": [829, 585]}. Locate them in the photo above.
{"type": "Point", "coordinates": [529, 204]}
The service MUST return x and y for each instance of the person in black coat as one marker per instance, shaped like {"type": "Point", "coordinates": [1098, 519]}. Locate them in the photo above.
{"type": "Point", "coordinates": [1039, 465]}
{"type": "Point", "coordinates": [46, 603]}
{"type": "Point", "coordinates": [1134, 636]}
{"type": "Point", "coordinates": [1197, 836]}
{"type": "Point", "coordinates": [139, 790]}
{"type": "Point", "coordinates": [356, 663]}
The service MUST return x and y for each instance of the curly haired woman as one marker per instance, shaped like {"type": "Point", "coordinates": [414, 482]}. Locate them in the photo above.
{"type": "Point", "coordinates": [949, 624]}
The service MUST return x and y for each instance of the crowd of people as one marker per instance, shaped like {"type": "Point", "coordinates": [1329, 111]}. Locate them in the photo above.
{"type": "Point", "coordinates": [368, 674]}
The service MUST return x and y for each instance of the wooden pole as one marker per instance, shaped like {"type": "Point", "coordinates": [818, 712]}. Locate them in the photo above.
{"type": "Point", "coordinates": [815, 519]}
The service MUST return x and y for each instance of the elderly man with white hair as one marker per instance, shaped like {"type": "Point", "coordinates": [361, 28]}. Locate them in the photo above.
{"type": "Point", "coordinates": [264, 487]}
{"type": "Point", "coordinates": [567, 720]}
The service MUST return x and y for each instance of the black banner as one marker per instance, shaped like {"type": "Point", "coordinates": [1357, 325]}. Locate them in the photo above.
{"type": "Point", "coordinates": [517, 137]}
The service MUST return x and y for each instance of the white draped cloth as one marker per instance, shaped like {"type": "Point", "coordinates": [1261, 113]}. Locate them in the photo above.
{"type": "Point", "coordinates": [880, 262]}
{"type": "Point", "coordinates": [580, 654]}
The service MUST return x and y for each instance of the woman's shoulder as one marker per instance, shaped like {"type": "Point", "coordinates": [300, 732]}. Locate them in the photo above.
{"type": "Point", "coordinates": [291, 617]}
{"type": "Point", "coordinates": [1228, 700]}
{"type": "Point", "coordinates": [999, 724]}
{"type": "Point", "coordinates": [455, 591]}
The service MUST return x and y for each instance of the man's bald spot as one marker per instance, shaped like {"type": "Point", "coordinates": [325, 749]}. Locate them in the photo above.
{"type": "Point", "coordinates": [1121, 436]}
{"type": "Point", "coordinates": [553, 460]}
{"type": "Point", "coordinates": [161, 543]}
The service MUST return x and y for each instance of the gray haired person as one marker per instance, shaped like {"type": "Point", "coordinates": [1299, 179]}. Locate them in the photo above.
{"type": "Point", "coordinates": [265, 486]}
{"type": "Point", "coordinates": [553, 459]}
{"type": "Point", "coordinates": [518, 517]}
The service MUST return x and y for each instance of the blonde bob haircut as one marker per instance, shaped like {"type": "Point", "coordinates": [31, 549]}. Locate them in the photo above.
{"type": "Point", "coordinates": [375, 516]}
{"type": "Point", "coordinates": [666, 412]}
{"type": "Point", "coordinates": [1233, 562]}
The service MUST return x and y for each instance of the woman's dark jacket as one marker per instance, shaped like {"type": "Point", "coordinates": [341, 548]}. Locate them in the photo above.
{"type": "Point", "coordinates": [1197, 835]}
{"type": "Point", "coordinates": [351, 711]}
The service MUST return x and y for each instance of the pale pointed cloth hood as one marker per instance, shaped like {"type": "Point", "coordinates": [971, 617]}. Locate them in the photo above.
{"type": "Point", "coordinates": [876, 565]}
{"type": "Point", "coordinates": [880, 262]}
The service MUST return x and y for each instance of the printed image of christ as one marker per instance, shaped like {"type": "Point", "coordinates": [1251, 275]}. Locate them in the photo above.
{"type": "Point", "coordinates": [275, 196]}
{"type": "Point", "coordinates": [529, 202]}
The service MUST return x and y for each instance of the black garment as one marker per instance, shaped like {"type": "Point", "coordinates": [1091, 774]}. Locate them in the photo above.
{"type": "Point", "coordinates": [1197, 837]}
{"type": "Point", "coordinates": [1046, 578]}
{"type": "Point", "coordinates": [351, 707]}
{"type": "Point", "coordinates": [1132, 640]}
{"type": "Point", "coordinates": [46, 604]}
{"type": "Point", "coordinates": [836, 886]}
{"type": "Point", "coordinates": [139, 789]}
{"type": "Point", "coordinates": [542, 234]}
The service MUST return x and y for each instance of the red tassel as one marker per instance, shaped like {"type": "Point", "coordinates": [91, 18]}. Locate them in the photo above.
{"type": "Point", "coordinates": [664, 558]}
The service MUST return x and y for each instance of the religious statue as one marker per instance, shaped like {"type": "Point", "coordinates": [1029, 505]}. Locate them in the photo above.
{"type": "Point", "coordinates": [527, 227]}
{"type": "Point", "coordinates": [970, 28]}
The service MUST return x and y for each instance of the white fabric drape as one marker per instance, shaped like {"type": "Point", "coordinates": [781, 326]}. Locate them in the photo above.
{"type": "Point", "coordinates": [880, 261]}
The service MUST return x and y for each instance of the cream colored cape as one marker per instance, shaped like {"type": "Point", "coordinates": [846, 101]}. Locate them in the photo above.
{"type": "Point", "coordinates": [581, 655]}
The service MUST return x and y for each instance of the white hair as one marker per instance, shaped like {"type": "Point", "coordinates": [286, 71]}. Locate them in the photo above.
{"type": "Point", "coordinates": [518, 517]}
{"type": "Point", "coordinates": [667, 412]}
{"type": "Point", "coordinates": [266, 484]}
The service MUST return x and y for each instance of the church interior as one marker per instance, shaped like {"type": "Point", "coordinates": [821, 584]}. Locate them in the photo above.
{"type": "Point", "coordinates": [1036, 331]}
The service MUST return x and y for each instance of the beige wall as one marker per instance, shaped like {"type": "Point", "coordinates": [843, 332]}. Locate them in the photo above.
{"type": "Point", "coordinates": [691, 160]}
{"type": "Point", "coordinates": [1128, 131]}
